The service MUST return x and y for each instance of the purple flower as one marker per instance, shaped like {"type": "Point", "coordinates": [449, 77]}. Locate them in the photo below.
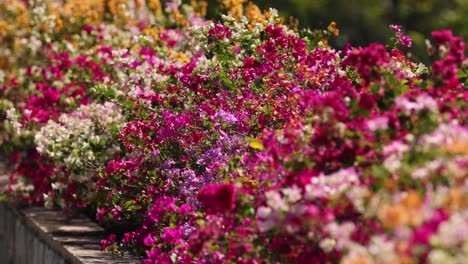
{"type": "Point", "coordinates": [225, 117]}
{"type": "Point", "coordinates": [172, 6]}
{"type": "Point", "coordinates": [405, 40]}
{"type": "Point", "coordinates": [187, 229]}
{"type": "Point", "coordinates": [396, 28]}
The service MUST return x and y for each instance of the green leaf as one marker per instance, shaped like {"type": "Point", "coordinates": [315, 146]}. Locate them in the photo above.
{"type": "Point", "coordinates": [134, 208]}
{"type": "Point", "coordinates": [128, 204]}
{"type": "Point", "coordinates": [227, 82]}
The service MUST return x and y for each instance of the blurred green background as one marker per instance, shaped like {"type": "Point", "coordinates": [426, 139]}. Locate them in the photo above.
{"type": "Point", "coordinates": [365, 21]}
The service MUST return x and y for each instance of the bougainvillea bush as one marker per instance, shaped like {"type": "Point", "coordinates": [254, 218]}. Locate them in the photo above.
{"type": "Point", "coordinates": [238, 140]}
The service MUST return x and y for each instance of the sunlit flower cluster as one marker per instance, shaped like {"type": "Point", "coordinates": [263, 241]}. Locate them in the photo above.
{"type": "Point", "coordinates": [72, 138]}
{"type": "Point", "coordinates": [241, 140]}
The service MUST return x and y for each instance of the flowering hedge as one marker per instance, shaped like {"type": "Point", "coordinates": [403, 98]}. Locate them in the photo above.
{"type": "Point", "coordinates": [241, 140]}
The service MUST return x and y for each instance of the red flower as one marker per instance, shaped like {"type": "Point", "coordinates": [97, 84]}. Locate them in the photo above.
{"type": "Point", "coordinates": [220, 31]}
{"type": "Point", "coordinates": [218, 198]}
{"type": "Point", "coordinates": [441, 37]}
{"type": "Point", "coordinates": [365, 60]}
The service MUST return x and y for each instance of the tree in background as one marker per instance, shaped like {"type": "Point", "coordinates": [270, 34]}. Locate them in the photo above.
{"type": "Point", "coordinates": [365, 21]}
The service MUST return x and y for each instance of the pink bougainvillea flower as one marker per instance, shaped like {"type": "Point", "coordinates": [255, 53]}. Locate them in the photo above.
{"type": "Point", "coordinates": [218, 198]}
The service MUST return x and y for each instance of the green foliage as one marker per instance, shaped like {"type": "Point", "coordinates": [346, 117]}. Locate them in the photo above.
{"type": "Point", "coordinates": [364, 21]}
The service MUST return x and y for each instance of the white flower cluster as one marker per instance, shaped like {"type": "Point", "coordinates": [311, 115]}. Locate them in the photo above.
{"type": "Point", "coordinates": [12, 117]}
{"type": "Point", "coordinates": [278, 204]}
{"type": "Point", "coordinates": [13, 120]}
{"type": "Point", "coordinates": [287, 202]}
{"type": "Point", "coordinates": [451, 235]}
{"type": "Point", "coordinates": [422, 102]}
{"type": "Point", "coordinates": [445, 134]}
{"type": "Point", "coordinates": [332, 184]}
{"type": "Point", "coordinates": [81, 137]}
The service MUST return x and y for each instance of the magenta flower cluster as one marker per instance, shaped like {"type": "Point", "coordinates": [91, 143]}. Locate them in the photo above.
{"type": "Point", "coordinates": [245, 141]}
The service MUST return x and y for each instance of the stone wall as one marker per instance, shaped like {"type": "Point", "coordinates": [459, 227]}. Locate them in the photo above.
{"type": "Point", "coordinates": [19, 244]}
{"type": "Point", "coordinates": [39, 235]}
{"type": "Point", "coordinates": [36, 235]}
